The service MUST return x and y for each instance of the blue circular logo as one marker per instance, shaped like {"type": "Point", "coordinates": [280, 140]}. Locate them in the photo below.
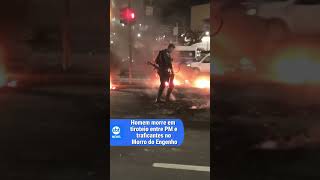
{"type": "Point", "coordinates": [116, 130]}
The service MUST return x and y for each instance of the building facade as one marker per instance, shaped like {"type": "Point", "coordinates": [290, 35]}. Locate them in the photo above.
{"type": "Point", "coordinates": [200, 15]}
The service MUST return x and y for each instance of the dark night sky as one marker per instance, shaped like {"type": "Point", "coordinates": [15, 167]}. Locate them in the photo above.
{"type": "Point", "coordinates": [13, 10]}
{"type": "Point", "coordinates": [180, 3]}
{"type": "Point", "coordinates": [175, 9]}
{"type": "Point", "coordinates": [48, 10]}
{"type": "Point", "coordinates": [88, 19]}
{"type": "Point", "coordinates": [199, 1]}
{"type": "Point", "coordinates": [85, 13]}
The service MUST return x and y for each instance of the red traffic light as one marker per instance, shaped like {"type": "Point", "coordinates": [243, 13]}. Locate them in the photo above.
{"type": "Point", "coordinates": [127, 15]}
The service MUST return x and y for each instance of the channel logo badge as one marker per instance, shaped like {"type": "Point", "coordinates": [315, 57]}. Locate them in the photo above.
{"type": "Point", "coordinates": [116, 132]}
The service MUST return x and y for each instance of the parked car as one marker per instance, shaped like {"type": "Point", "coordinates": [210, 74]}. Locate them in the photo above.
{"type": "Point", "coordinates": [186, 54]}
{"type": "Point", "coordinates": [201, 66]}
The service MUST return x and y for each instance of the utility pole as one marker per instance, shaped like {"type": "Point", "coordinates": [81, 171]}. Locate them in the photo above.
{"type": "Point", "coordinates": [66, 62]}
{"type": "Point", "coordinates": [176, 31]}
{"type": "Point", "coordinates": [130, 46]}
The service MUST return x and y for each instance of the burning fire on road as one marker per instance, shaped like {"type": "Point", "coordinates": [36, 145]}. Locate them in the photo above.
{"type": "Point", "coordinates": [112, 86]}
{"type": "Point", "coordinates": [175, 82]}
{"type": "Point", "coordinates": [202, 83]}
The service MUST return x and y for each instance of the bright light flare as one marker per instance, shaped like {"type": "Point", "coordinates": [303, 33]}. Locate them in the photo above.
{"type": "Point", "coordinates": [202, 83]}
{"type": "Point", "coordinates": [112, 87]}
{"type": "Point", "coordinates": [176, 82]}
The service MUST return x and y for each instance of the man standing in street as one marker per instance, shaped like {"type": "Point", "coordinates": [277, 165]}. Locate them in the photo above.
{"type": "Point", "coordinates": [165, 71]}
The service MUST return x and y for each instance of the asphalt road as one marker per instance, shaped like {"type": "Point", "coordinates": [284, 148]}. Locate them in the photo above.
{"type": "Point", "coordinates": [248, 115]}
{"type": "Point", "coordinates": [53, 123]}
{"type": "Point", "coordinates": [192, 106]}
{"type": "Point", "coordinates": [52, 131]}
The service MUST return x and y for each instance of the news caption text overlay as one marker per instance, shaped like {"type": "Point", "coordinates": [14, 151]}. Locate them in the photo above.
{"type": "Point", "coordinates": [146, 132]}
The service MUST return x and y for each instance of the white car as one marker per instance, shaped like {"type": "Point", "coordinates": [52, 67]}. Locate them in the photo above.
{"type": "Point", "coordinates": [201, 66]}
{"type": "Point", "coordinates": [182, 54]}
{"type": "Point", "coordinates": [300, 16]}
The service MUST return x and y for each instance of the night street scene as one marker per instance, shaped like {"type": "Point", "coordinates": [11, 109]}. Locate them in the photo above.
{"type": "Point", "coordinates": [138, 31]}
{"type": "Point", "coordinates": [265, 105]}
{"type": "Point", "coordinates": [53, 64]}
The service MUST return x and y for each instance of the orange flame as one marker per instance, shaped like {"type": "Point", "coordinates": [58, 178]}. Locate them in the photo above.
{"type": "Point", "coordinates": [202, 83]}
{"type": "Point", "coordinates": [112, 87]}
{"type": "Point", "coordinates": [176, 82]}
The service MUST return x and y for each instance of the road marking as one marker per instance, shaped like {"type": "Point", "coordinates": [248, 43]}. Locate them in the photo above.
{"type": "Point", "coordinates": [182, 167]}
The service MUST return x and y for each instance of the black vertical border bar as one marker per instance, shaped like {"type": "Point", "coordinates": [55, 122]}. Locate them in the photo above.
{"type": "Point", "coordinates": [211, 89]}
{"type": "Point", "coordinates": [106, 120]}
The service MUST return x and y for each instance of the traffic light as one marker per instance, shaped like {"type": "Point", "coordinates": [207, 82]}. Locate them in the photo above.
{"type": "Point", "coordinates": [127, 15]}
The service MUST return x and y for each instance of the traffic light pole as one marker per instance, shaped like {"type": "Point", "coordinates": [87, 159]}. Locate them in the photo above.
{"type": "Point", "coordinates": [130, 46]}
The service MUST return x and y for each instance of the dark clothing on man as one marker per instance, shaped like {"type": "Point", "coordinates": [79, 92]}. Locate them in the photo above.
{"type": "Point", "coordinates": [164, 60]}
{"type": "Point", "coordinates": [165, 71]}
